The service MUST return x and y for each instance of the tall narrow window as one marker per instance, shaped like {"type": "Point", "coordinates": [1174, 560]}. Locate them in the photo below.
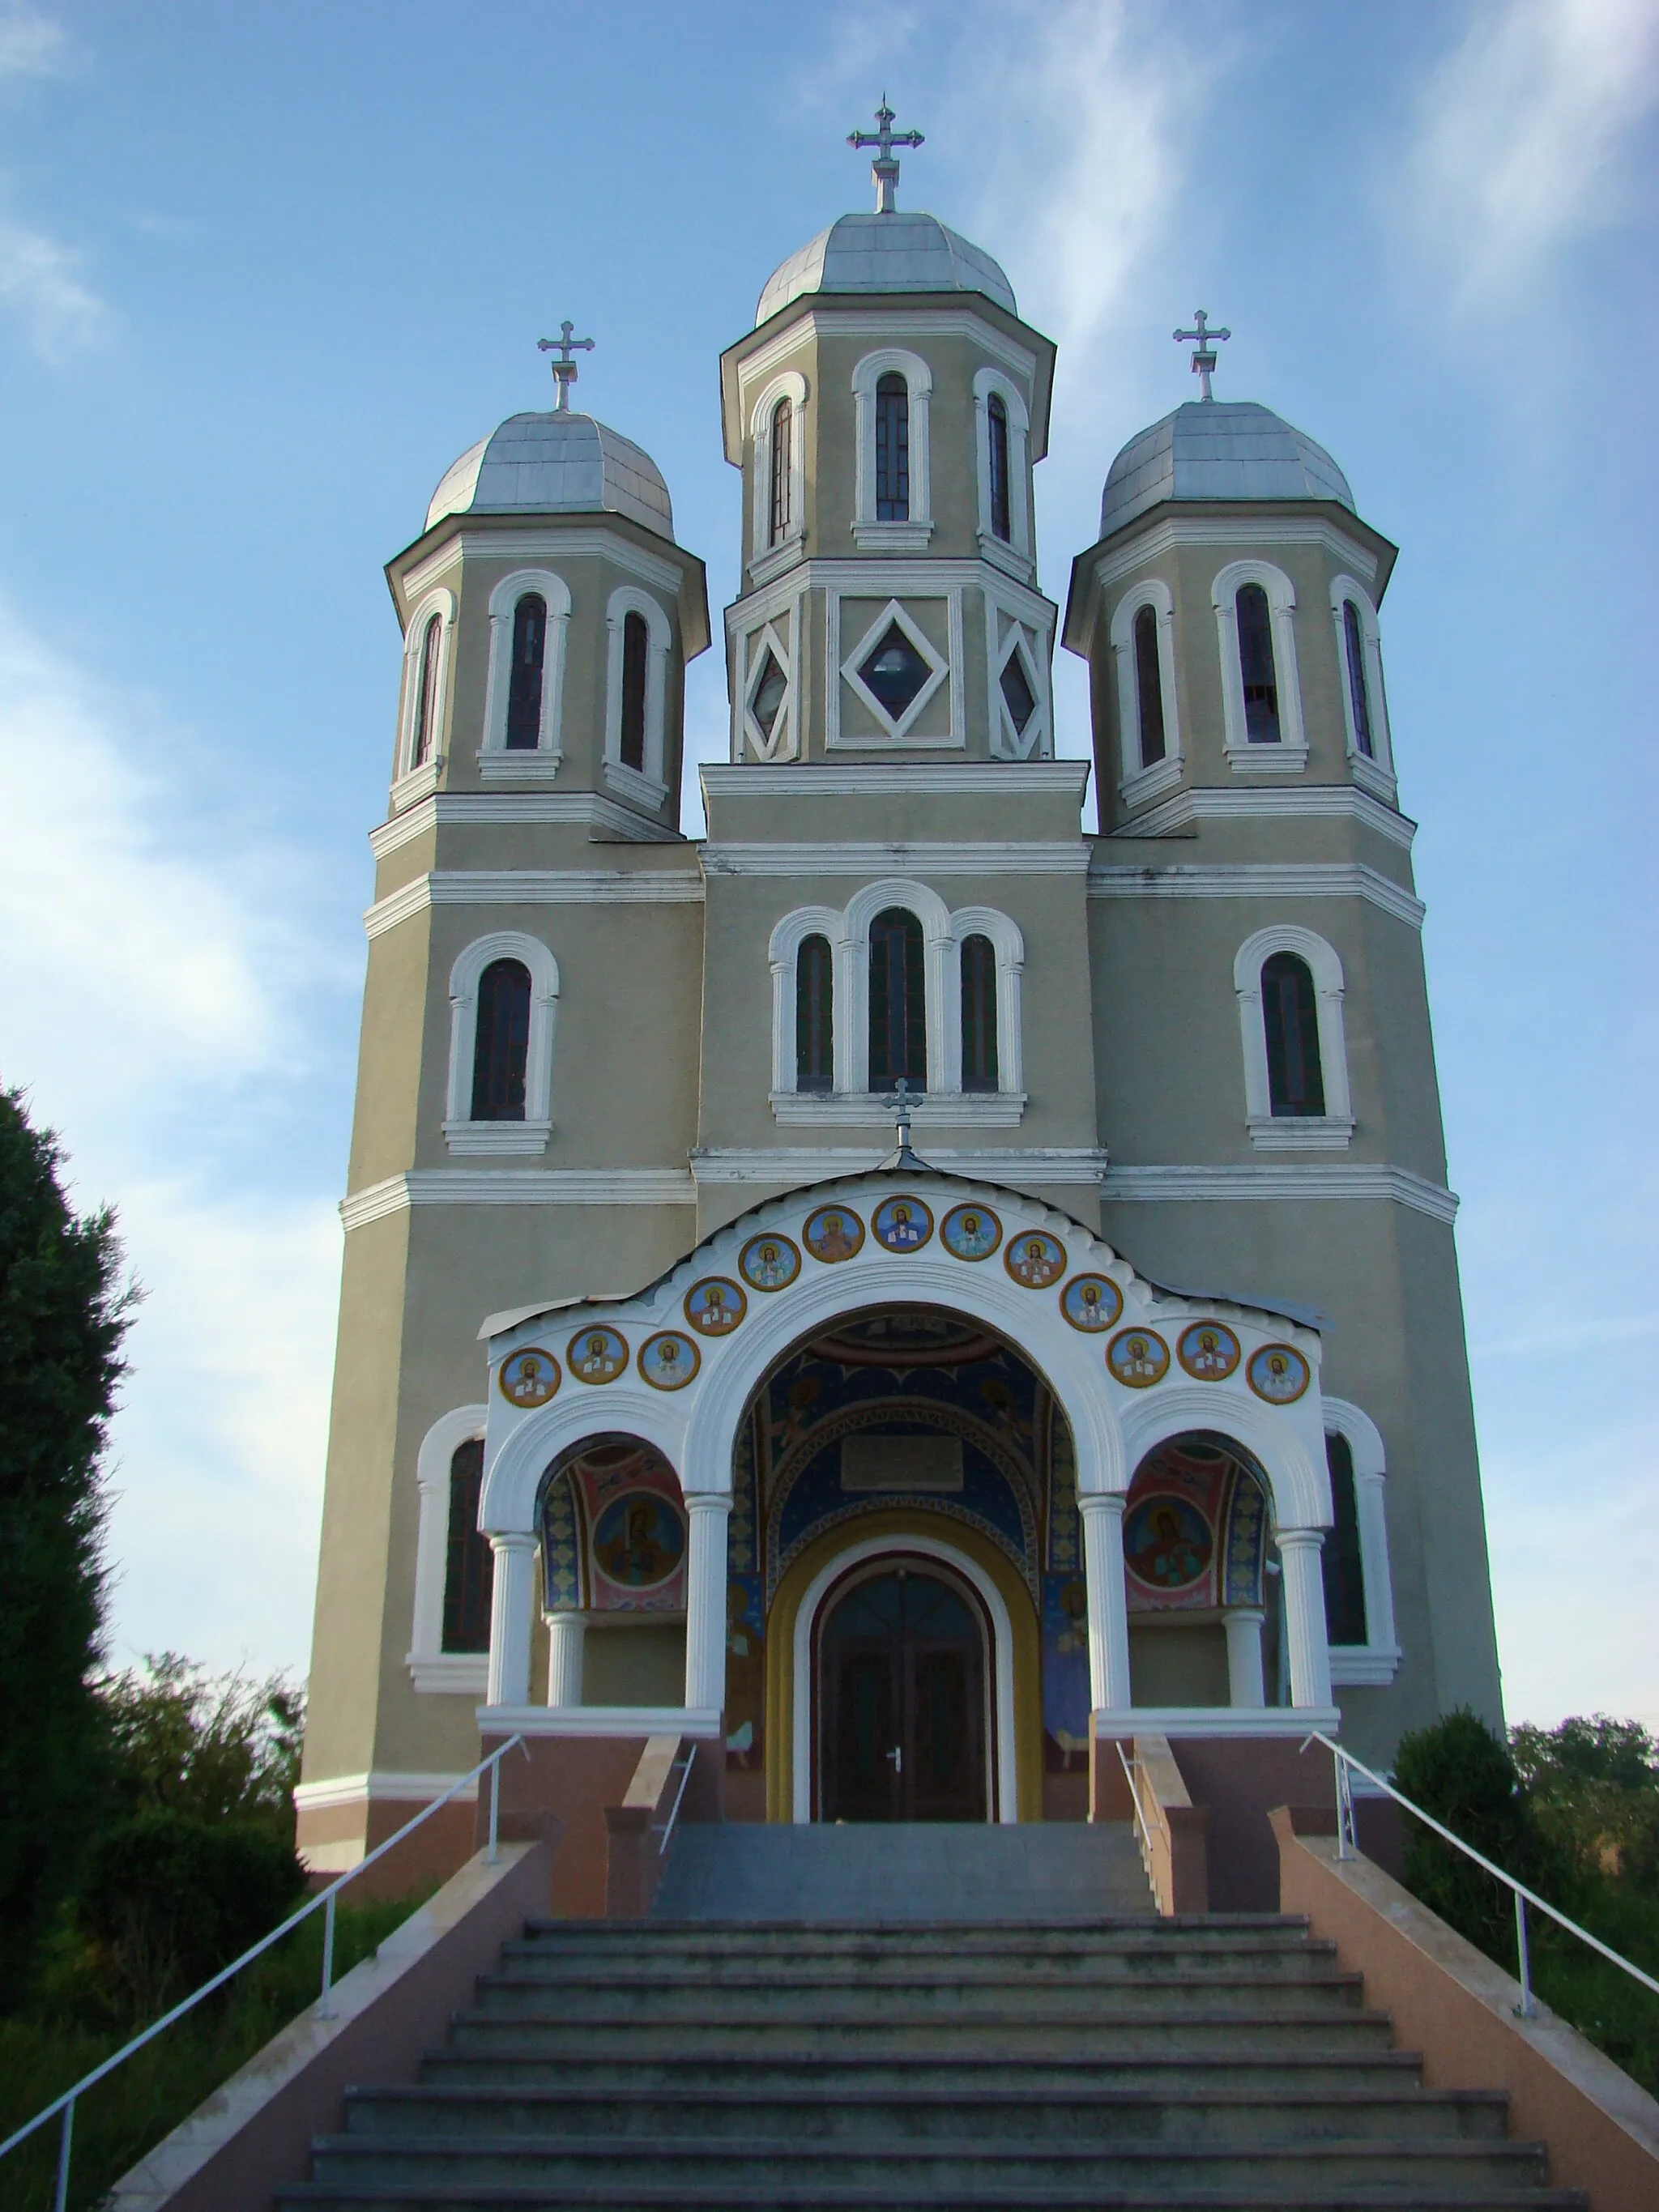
{"type": "Point", "coordinates": [996, 428]}
{"type": "Point", "coordinates": [524, 695]}
{"type": "Point", "coordinates": [1354, 638]}
{"type": "Point", "coordinates": [1256, 665]}
{"type": "Point", "coordinates": [979, 1014]}
{"type": "Point", "coordinates": [814, 1016]}
{"type": "Point", "coordinates": [892, 449]}
{"type": "Point", "coordinates": [1341, 1558]}
{"type": "Point", "coordinates": [1149, 687]}
{"type": "Point", "coordinates": [501, 1043]}
{"type": "Point", "coordinates": [782, 461]}
{"type": "Point", "coordinates": [469, 1566]}
{"type": "Point", "coordinates": [426, 692]}
{"type": "Point", "coordinates": [898, 1005]}
{"type": "Point", "coordinates": [1296, 1086]}
{"type": "Point", "coordinates": [636, 657]}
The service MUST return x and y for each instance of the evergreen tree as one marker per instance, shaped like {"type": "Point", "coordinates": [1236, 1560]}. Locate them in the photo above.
{"type": "Point", "coordinates": [64, 1313]}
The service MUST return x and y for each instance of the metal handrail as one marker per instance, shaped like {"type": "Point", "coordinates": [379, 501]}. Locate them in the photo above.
{"type": "Point", "coordinates": [325, 1898]}
{"type": "Point", "coordinates": [1143, 1831]}
{"type": "Point", "coordinates": [1347, 1848]}
{"type": "Point", "coordinates": [667, 1828]}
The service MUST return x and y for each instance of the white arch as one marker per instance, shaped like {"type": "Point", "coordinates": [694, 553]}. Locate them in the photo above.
{"type": "Point", "coordinates": [1143, 779]}
{"type": "Point", "coordinates": [1298, 1482]}
{"type": "Point", "coordinates": [789, 384]}
{"type": "Point", "coordinates": [1377, 1658]}
{"type": "Point", "coordinates": [1005, 1774]}
{"type": "Point", "coordinates": [432, 1667]}
{"type": "Point", "coordinates": [987, 381]}
{"type": "Point", "coordinates": [439, 601]}
{"type": "Point", "coordinates": [531, 1134]}
{"type": "Point", "coordinates": [1009, 946]}
{"type": "Point", "coordinates": [1332, 1130]}
{"type": "Point", "coordinates": [913, 534]}
{"type": "Point", "coordinates": [1374, 769]}
{"type": "Point", "coordinates": [503, 605]}
{"type": "Point", "coordinates": [648, 786]}
{"type": "Point", "coordinates": [1291, 751]}
{"type": "Point", "coordinates": [783, 951]}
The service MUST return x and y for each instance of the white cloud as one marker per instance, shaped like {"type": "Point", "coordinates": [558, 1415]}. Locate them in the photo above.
{"type": "Point", "coordinates": [40, 285]}
{"type": "Point", "coordinates": [31, 44]}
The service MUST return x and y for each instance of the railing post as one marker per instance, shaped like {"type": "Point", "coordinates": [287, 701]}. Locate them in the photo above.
{"type": "Point", "coordinates": [60, 2195]}
{"type": "Point", "coordinates": [325, 2009]}
{"type": "Point", "coordinates": [1527, 2008]}
{"type": "Point", "coordinates": [1346, 1843]}
{"type": "Point", "coordinates": [494, 1809]}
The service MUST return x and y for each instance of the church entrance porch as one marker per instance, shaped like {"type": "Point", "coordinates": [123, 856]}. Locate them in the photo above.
{"type": "Point", "coordinates": [901, 1692]}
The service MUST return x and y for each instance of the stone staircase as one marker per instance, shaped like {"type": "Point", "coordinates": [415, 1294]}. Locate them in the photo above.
{"type": "Point", "coordinates": [976, 2041]}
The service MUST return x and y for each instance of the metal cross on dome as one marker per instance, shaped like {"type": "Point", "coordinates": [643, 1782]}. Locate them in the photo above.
{"type": "Point", "coordinates": [883, 170]}
{"type": "Point", "coordinates": [1204, 360]}
{"type": "Point", "coordinates": [564, 369]}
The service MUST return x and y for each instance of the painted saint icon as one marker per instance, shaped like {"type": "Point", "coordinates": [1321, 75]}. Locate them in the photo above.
{"type": "Point", "coordinates": [833, 1233]}
{"type": "Point", "coordinates": [902, 1224]}
{"type": "Point", "coordinates": [970, 1232]}
{"type": "Point", "coordinates": [1167, 1543]}
{"type": "Point", "coordinates": [715, 1307]}
{"type": "Point", "coordinates": [1034, 1259]}
{"type": "Point", "coordinates": [528, 1378]}
{"type": "Point", "coordinates": [668, 1360]}
{"type": "Point", "coordinates": [1208, 1351]}
{"type": "Point", "coordinates": [638, 1540]}
{"type": "Point", "coordinates": [1279, 1373]}
{"type": "Point", "coordinates": [1092, 1302]}
{"type": "Point", "coordinates": [768, 1263]}
{"type": "Point", "coordinates": [1139, 1357]}
{"type": "Point", "coordinates": [597, 1355]}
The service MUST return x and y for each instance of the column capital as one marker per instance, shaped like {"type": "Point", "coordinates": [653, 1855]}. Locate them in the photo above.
{"type": "Point", "coordinates": [512, 1539]}
{"type": "Point", "coordinates": [708, 1501]}
{"type": "Point", "coordinates": [1103, 1501]}
{"type": "Point", "coordinates": [1300, 1540]}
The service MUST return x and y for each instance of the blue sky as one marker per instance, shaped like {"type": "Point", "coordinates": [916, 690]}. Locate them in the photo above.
{"type": "Point", "coordinates": [264, 272]}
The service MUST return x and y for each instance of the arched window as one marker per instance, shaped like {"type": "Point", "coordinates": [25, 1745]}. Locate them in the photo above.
{"type": "Point", "coordinates": [1358, 698]}
{"type": "Point", "coordinates": [1149, 687]}
{"type": "Point", "coordinates": [996, 430]}
{"type": "Point", "coordinates": [1296, 1086]}
{"type": "Point", "coordinates": [979, 1014]}
{"type": "Point", "coordinates": [426, 693]}
{"type": "Point", "coordinates": [468, 1566]}
{"type": "Point", "coordinates": [1256, 665]}
{"type": "Point", "coordinates": [892, 449]}
{"type": "Point", "coordinates": [501, 1045]}
{"type": "Point", "coordinates": [523, 696]}
{"type": "Point", "coordinates": [1343, 1557]}
{"type": "Point", "coordinates": [782, 462]}
{"type": "Point", "coordinates": [815, 1038]}
{"type": "Point", "coordinates": [898, 1005]}
{"type": "Point", "coordinates": [636, 652]}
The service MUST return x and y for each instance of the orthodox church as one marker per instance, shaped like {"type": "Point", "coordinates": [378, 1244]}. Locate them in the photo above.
{"type": "Point", "coordinates": [904, 1289]}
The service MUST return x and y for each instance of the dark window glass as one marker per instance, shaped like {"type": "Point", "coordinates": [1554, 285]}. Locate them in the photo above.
{"type": "Point", "coordinates": [1354, 638]}
{"type": "Point", "coordinates": [892, 450]}
{"type": "Point", "coordinates": [636, 652]}
{"type": "Point", "coordinates": [1344, 1574]}
{"type": "Point", "coordinates": [502, 1042]}
{"type": "Point", "coordinates": [814, 1017]}
{"type": "Point", "coordinates": [767, 702]}
{"type": "Point", "coordinates": [468, 1571]}
{"type": "Point", "coordinates": [979, 1014]}
{"type": "Point", "coordinates": [898, 1006]}
{"type": "Point", "coordinates": [524, 696]}
{"type": "Point", "coordinates": [1018, 693]}
{"type": "Point", "coordinates": [781, 474]}
{"type": "Point", "coordinates": [1149, 687]}
{"type": "Point", "coordinates": [1256, 664]}
{"type": "Point", "coordinates": [996, 425]}
{"type": "Point", "coordinates": [1295, 1083]}
{"type": "Point", "coordinates": [895, 671]}
{"type": "Point", "coordinates": [426, 691]}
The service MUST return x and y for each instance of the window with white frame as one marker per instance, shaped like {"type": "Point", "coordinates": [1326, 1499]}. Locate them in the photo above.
{"type": "Point", "coordinates": [529, 623]}
{"type": "Point", "coordinates": [453, 1563]}
{"type": "Point", "coordinates": [892, 505]}
{"type": "Point", "coordinates": [503, 999]}
{"type": "Point", "coordinates": [426, 671]}
{"type": "Point", "coordinates": [1149, 723]}
{"type": "Point", "coordinates": [636, 695]}
{"type": "Point", "coordinates": [1261, 684]}
{"type": "Point", "coordinates": [1358, 1591]}
{"type": "Point", "coordinates": [1364, 704]}
{"type": "Point", "coordinates": [778, 471]}
{"type": "Point", "coordinates": [1289, 987]}
{"type": "Point", "coordinates": [1002, 437]}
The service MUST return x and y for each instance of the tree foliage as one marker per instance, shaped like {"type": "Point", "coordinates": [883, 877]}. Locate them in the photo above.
{"type": "Point", "coordinates": [1461, 1771]}
{"type": "Point", "coordinates": [217, 1747]}
{"type": "Point", "coordinates": [1594, 1787]}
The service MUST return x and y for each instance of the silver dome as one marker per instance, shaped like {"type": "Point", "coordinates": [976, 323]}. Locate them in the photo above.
{"type": "Point", "coordinates": [890, 253]}
{"type": "Point", "coordinates": [556, 464]}
{"type": "Point", "coordinates": [1218, 449]}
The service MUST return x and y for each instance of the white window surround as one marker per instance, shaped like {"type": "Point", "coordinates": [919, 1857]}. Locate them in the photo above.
{"type": "Point", "coordinates": [1376, 1659]}
{"type": "Point", "coordinates": [1375, 775]}
{"type": "Point", "coordinates": [938, 671]}
{"type": "Point", "coordinates": [1332, 1130]}
{"type": "Point", "coordinates": [1008, 633]}
{"type": "Point", "coordinates": [942, 932]}
{"type": "Point", "coordinates": [649, 788]}
{"type": "Point", "coordinates": [1015, 551]}
{"type": "Point", "coordinates": [910, 536]}
{"type": "Point", "coordinates": [1290, 753]}
{"type": "Point", "coordinates": [1140, 781]}
{"type": "Point", "coordinates": [441, 602]}
{"type": "Point", "coordinates": [454, 1674]}
{"type": "Point", "coordinates": [780, 636]}
{"type": "Point", "coordinates": [530, 1135]}
{"type": "Point", "coordinates": [769, 560]}
{"type": "Point", "coordinates": [495, 762]}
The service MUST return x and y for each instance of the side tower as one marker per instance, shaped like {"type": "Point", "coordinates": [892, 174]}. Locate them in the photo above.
{"type": "Point", "coordinates": [534, 942]}
{"type": "Point", "coordinates": [1263, 1055]}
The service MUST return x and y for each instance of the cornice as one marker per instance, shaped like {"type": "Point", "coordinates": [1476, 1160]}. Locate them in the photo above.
{"type": "Point", "coordinates": [587, 810]}
{"type": "Point", "coordinates": [1320, 802]}
{"type": "Point", "coordinates": [799, 857]}
{"type": "Point", "coordinates": [793, 1166]}
{"type": "Point", "coordinates": [517, 546]}
{"type": "Point", "coordinates": [1320, 1179]}
{"type": "Point", "coordinates": [532, 887]}
{"type": "Point", "coordinates": [872, 779]}
{"type": "Point", "coordinates": [517, 1187]}
{"type": "Point", "coordinates": [884, 576]}
{"type": "Point", "coordinates": [1258, 880]}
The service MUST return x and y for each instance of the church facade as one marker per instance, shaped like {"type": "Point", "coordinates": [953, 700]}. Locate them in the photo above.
{"type": "Point", "coordinates": [902, 1284]}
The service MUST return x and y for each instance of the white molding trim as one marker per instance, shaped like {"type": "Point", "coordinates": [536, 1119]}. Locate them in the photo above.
{"type": "Point", "coordinates": [433, 1668]}
{"type": "Point", "coordinates": [1017, 543]}
{"type": "Point", "coordinates": [1321, 802]}
{"type": "Point", "coordinates": [789, 384]}
{"type": "Point", "coordinates": [1289, 753]}
{"type": "Point", "coordinates": [956, 321]}
{"type": "Point", "coordinates": [529, 1134]}
{"type": "Point", "coordinates": [858, 779]}
{"type": "Point", "coordinates": [1034, 643]}
{"type": "Point", "coordinates": [517, 1187]}
{"type": "Point", "coordinates": [912, 534]}
{"type": "Point", "coordinates": [1336, 1126]}
{"type": "Point", "coordinates": [1255, 1721]}
{"type": "Point", "coordinates": [648, 785]}
{"type": "Point", "coordinates": [441, 602]}
{"type": "Point", "coordinates": [1376, 767]}
{"type": "Point", "coordinates": [793, 1166]}
{"type": "Point", "coordinates": [801, 856]}
{"type": "Point", "coordinates": [1376, 1659]}
{"type": "Point", "coordinates": [584, 809]}
{"type": "Point", "coordinates": [419, 783]}
{"type": "Point", "coordinates": [380, 1787]}
{"type": "Point", "coordinates": [1164, 1185]}
{"type": "Point", "coordinates": [897, 730]}
{"type": "Point", "coordinates": [1258, 880]}
{"type": "Point", "coordinates": [494, 756]}
{"type": "Point", "coordinates": [1173, 531]}
{"type": "Point", "coordinates": [626, 1721]}
{"type": "Point", "coordinates": [748, 740]}
{"type": "Point", "coordinates": [1143, 779]}
{"type": "Point", "coordinates": [873, 1110]}
{"type": "Point", "coordinates": [667, 573]}
{"type": "Point", "coordinates": [532, 887]}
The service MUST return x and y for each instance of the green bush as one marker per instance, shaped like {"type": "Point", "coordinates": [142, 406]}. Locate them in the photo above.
{"type": "Point", "coordinates": [1461, 1771]}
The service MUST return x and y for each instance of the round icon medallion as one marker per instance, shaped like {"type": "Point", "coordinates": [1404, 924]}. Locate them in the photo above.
{"type": "Point", "coordinates": [715, 1307]}
{"type": "Point", "coordinates": [639, 1539]}
{"type": "Point", "coordinates": [1208, 1351]}
{"type": "Point", "coordinates": [528, 1378]}
{"type": "Point", "coordinates": [768, 1263]}
{"type": "Point", "coordinates": [597, 1355]}
{"type": "Point", "coordinates": [1138, 1357]}
{"type": "Point", "coordinates": [668, 1360]}
{"type": "Point", "coordinates": [1092, 1302]}
{"type": "Point", "coordinates": [1034, 1259]}
{"type": "Point", "coordinates": [902, 1224]}
{"type": "Point", "coordinates": [833, 1233]}
{"type": "Point", "coordinates": [1278, 1373]}
{"type": "Point", "coordinates": [970, 1232]}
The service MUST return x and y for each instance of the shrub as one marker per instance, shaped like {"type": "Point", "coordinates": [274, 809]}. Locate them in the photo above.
{"type": "Point", "coordinates": [1460, 1771]}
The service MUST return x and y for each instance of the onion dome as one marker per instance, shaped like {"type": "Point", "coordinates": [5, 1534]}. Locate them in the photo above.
{"type": "Point", "coordinates": [558, 463]}
{"type": "Point", "coordinates": [885, 252]}
{"type": "Point", "coordinates": [1218, 449]}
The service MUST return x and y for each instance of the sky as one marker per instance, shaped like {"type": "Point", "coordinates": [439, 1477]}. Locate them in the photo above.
{"type": "Point", "coordinates": [266, 271]}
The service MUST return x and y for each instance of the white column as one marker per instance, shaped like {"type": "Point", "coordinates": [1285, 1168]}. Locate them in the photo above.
{"type": "Point", "coordinates": [1107, 1599]}
{"type": "Point", "coordinates": [565, 1633]}
{"type": "Point", "coordinates": [1372, 1514]}
{"type": "Point", "coordinates": [705, 1602]}
{"type": "Point", "coordinates": [1304, 1615]}
{"type": "Point", "coordinates": [1244, 1683]}
{"type": "Point", "coordinates": [511, 1605]}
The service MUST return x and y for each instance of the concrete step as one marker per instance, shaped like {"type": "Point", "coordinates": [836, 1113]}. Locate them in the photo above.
{"type": "Point", "coordinates": [771, 2195]}
{"type": "Point", "coordinates": [871, 1963]}
{"type": "Point", "coordinates": [1011, 1937]}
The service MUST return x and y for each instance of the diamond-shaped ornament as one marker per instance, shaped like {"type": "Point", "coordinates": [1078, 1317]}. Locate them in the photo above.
{"type": "Point", "coordinates": [1016, 692]}
{"type": "Point", "coordinates": [895, 671]}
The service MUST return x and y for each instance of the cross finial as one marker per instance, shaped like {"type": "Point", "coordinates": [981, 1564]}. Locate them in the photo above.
{"type": "Point", "coordinates": [564, 369]}
{"type": "Point", "coordinates": [883, 170]}
{"type": "Point", "coordinates": [901, 1102]}
{"type": "Point", "coordinates": [1204, 360]}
